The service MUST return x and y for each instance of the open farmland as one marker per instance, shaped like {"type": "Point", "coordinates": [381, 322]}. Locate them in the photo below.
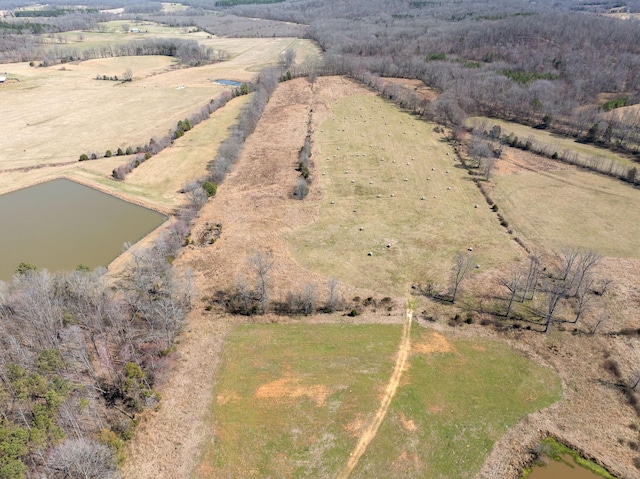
{"type": "Point", "coordinates": [378, 163]}
{"type": "Point", "coordinates": [159, 179]}
{"type": "Point", "coordinates": [54, 114]}
{"type": "Point", "coordinates": [555, 143]}
{"type": "Point", "coordinates": [292, 400]}
{"type": "Point", "coordinates": [581, 209]}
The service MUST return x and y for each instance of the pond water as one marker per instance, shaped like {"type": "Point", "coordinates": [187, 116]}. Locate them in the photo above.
{"type": "Point", "coordinates": [228, 82]}
{"type": "Point", "coordinates": [560, 470]}
{"type": "Point", "coordinates": [60, 224]}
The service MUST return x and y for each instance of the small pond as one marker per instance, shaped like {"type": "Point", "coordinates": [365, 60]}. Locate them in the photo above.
{"type": "Point", "coordinates": [60, 224]}
{"type": "Point", "coordinates": [227, 82]}
{"type": "Point", "coordinates": [561, 470]}
{"type": "Point", "coordinates": [562, 462]}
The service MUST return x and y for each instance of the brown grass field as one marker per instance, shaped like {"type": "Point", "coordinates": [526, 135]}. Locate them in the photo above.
{"type": "Point", "coordinates": [55, 114]}
{"type": "Point", "coordinates": [581, 209]}
{"type": "Point", "coordinates": [553, 141]}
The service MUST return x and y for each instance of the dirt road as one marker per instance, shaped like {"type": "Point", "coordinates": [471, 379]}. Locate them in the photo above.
{"type": "Point", "coordinates": [370, 432]}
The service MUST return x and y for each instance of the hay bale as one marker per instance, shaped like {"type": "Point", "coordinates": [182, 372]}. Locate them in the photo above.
{"type": "Point", "coordinates": [333, 202]}
{"type": "Point", "coordinates": [448, 187]}
{"type": "Point", "coordinates": [369, 253]}
{"type": "Point", "coordinates": [470, 248]}
{"type": "Point", "coordinates": [392, 195]}
{"type": "Point", "coordinates": [422, 198]}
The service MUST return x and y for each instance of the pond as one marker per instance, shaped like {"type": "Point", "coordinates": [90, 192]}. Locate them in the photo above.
{"type": "Point", "coordinates": [561, 470]}
{"type": "Point", "coordinates": [227, 82]}
{"type": "Point", "coordinates": [61, 224]}
{"type": "Point", "coordinates": [562, 462]}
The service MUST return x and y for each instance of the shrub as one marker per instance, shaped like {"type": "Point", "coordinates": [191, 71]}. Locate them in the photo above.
{"type": "Point", "coordinates": [84, 157]}
{"type": "Point", "coordinates": [119, 152]}
{"type": "Point", "coordinates": [210, 188]}
{"type": "Point", "coordinates": [129, 150]}
{"type": "Point", "coordinates": [24, 268]}
{"type": "Point", "coordinates": [94, 156]}
{"type": "Point", "coordinates": [107, 154]}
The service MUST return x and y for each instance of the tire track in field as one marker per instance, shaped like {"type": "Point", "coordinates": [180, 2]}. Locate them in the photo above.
{"type": "Point", "coordinates": [370, 432]}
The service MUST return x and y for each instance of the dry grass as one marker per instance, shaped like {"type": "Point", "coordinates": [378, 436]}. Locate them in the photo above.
{"type": "Point", "coordinates": [571, 208]}
{"type": "Point", "coordinates": [367, 147]}
{"type": "Point", "coordinates": [55, 114]}
{"type": "Point", "coordinates": [554, 142]}
{"type": "Point", "coordinates": [156, 182]}
{"type": "Point", "coordinates": [187, 159]}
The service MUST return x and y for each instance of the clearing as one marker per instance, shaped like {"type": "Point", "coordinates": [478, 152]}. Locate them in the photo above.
{"type": "Point", "coordinates": [581, 209]}
{"type": "Point", "coordinates": [392, 187]}
{"type": "Point", "coordinates": [585, 152]}
{"type": "Point", "coordinates": [292, 400]}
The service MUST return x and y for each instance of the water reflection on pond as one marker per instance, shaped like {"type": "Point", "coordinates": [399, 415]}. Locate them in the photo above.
{"type": "Point", "coordinates": [60, 224]}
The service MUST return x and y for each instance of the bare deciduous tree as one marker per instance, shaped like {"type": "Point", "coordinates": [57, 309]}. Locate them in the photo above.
{"type": "Point", "coordinates": [513, 283]}
{"type": "Point", "coordinates": [462, 265]}
{"type": "Point", "coordinates": [82, 459]}
{"type": "Point", "coordinates": [262, 263]}
{"type": "Point", "coordinates": [332, 299]}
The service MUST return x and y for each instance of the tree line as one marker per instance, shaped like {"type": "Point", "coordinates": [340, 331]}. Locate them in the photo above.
{"type": "Point", "coordinates": [512, 60]}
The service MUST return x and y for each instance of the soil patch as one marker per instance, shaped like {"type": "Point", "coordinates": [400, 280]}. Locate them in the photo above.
{"type": "Point", "coordinates": [430, 343]}
{"type": "Point", "coordinates": [291, 388]}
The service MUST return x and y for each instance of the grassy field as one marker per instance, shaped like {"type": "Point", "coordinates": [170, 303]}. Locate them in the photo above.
{"type": "Point", "coordinates": [460, 396]}
{"type": "Point", "coordinates": [157, 181]}
{"type": "Point", "coordinates": [365, 148]}
{"type": "Point", "coordinates": [54, 114]}
{"type": "Point", "coordinates": [555, 142]}
{"type": "Point", "coordinates": [581, 209]}
{"type": "Point", "coordinates": [291, 401]}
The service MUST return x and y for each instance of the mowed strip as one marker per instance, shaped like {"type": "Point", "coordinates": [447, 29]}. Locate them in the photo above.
{"type": "Point", "coordinates": [392, 188]}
